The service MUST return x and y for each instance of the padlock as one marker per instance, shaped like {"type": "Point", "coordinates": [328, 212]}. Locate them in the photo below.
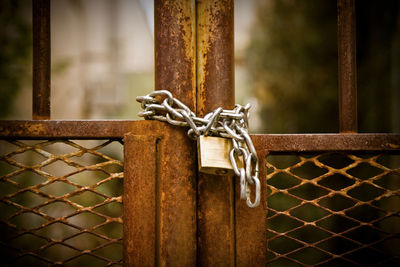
{"type": "Point", "coordinates": [213, 155]}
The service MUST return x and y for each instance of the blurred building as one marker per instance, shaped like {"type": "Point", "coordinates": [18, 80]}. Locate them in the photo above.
{"type": "Point", "coordinates": [102, 57]}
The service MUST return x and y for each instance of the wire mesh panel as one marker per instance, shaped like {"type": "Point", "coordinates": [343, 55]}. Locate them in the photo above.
{"type": "Point", "coordinates": [61, 202]}
{"type": "Point", "coordinates": [333, 210]}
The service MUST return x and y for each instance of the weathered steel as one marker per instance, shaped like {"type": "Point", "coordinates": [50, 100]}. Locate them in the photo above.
{"type": "Point", "coordinates": [174, 191]}
{"type": "Point", "coordinates": [251, 231]}
{"type": "Point", "coordinates": [347, 66]}
{"type": "Point", "coordinates": [140, 197]}
{"type": "Point", "coordinates": [215, 85]}
{"type": "Point", "coordinates": [216, 236]}
{"type": "Point", "coordinates": [160, 189]}
{"type": "Point", "coordinates": [326, 142]}
{"type": "Point", "coordinates": [41, 60]}
{"type": "Point", "coordinates": [215, 60]}
{"type": "Point", "coordinates": [90, 129]}
{"type": "Point", "coordinates": [177, 190]}
{"type": "Point", "coordinates": [22, 129]}
{"type": "Point", "coordinates": [176, 158]}
{"type": "Point", "coordinates": [175, 44]}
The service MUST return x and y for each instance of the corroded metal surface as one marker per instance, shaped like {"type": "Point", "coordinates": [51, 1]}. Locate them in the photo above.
{"type": "Point", "coordinates": [270, 142]}
{"type": "Point", "coordinates": [141, 236]}
{"type": "Point", "coordinates": [221, 218]}
{"type": "Point", "coordinates": [333, 209]}
{"type": "Point", "coordinates": [347, 66]}
{"type": "Point", "coordinates": [215, 66]}
{"type": "Point", "coordinates": [215, 87]}
{"type": "Point", "coordinates": [175, 193]}
{"type": "Point", "coordinates": [175, 67]}
{"type": "Point", "coordinates": [250, 224]}
{"type": "Point", "coordinates": [174, 43]}
{"type": "Point", "coordinates": [61, 203]}
{"type": "Point", "coordinates": [194, 49]}
{"type": "Point", "coordinates": [82, 129]}
{"type": "Point", "coordinates": [216, 232]}
{"type": "Point", "coordinates": [41, 60]}
{"type": "Point", "coordinates": [326, 142]}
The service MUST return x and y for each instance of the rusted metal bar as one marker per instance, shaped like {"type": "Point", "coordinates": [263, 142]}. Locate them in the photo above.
{"type": "Point", "coordinates": [176, 171]}
{"type": "Point", "coordinates": [215, 66]}
{"type": "Point", "coordinates": [175, 49]}
{"type": "Point", "coordinates": [326, 142]}
{"type": "Point", "coordinates": [251, 230]}
{"type": "Point", "coordinates": [215, 85]}
{"type": "Point", "coordinates": [171, 181]}
{"type": "Point", "coordinates": [177, 203]}
{"type": "Point", "coordinates": [41, 60]}
{"type": "Point", "coordinates": [347, 66]}
{"type": "Point", "coordinates": [26, 129]}
{"type": "Point", "coordinates": [140, 200]}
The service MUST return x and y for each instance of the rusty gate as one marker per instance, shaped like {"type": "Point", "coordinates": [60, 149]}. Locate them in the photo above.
{"type": "Point", "coordinates": [157, 209]}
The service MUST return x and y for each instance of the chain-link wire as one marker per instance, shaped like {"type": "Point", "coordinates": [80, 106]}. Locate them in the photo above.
{"type": "Point", "coordinates": [61, 203]}
{"type": "Point", "coordinates": [161, 105]}
{"type": "Point", "coordinates": [333, 209]}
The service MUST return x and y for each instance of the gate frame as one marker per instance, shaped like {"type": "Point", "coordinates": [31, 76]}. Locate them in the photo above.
{"type": "Point", "coordinates": [192, 218]}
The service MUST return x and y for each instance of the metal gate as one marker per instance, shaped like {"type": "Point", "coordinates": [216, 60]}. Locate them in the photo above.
{"type": "Point", "coordinates": [157, 209]}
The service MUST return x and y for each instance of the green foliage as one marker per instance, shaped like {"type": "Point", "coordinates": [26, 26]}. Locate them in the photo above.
{"type": "Point", "coordinates": [15, 51]}
{"type": "Point", "coordinates": [292, 60]}
{"type": "Point", "coordinates": [293, 63]}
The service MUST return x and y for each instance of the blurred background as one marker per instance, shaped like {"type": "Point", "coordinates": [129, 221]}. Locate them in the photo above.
{"type": "Point", "coordinates": [286, 61]}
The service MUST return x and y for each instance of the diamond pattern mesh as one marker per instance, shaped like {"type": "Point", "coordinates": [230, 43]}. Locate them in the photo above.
{"type": "Point", "coordinates": [61, 202]}
{"type": "Point", "coordinates": [333, 210]}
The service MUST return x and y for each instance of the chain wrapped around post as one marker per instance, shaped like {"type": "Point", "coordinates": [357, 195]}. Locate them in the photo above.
{"type": "Point", "coordinates": [161, 105]}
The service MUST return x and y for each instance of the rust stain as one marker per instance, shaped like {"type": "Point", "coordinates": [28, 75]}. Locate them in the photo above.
{"type": "Point", "coordinates": [175, 48]}
{"type": "Point", "coordinates": [41, 60]}
{"type": "Point", "coordinates": [175, 70]}
{"type": "Point", "coordinates": [35, 129]}
{"type": "Point", "coordinates": [215, 88]}
{"type": "Point", "coordinates": [394, 146]}
{"type": "Point", "coordinates": [139, 205]}
{"type": "Point", "coordinates": [215, 73]}
{"type": "Point", "coordinates": [166, 166]}
{"type": "Point", "coordinates": [347, 64]}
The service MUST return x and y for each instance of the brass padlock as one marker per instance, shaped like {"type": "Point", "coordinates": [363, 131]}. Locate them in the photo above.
{"type": "Point", "coordinates": [213, 155]}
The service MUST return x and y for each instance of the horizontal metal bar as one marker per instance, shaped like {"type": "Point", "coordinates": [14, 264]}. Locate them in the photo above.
{"type": "Point", "coordinates": [93, 129]}
{"type": "Point", "coordinates": [327, 142]}
{"type": "Point", "coordinates": [53, 129]}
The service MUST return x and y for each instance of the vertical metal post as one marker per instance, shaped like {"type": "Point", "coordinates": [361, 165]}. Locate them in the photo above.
{"type": "Point", "coordinates": [215, 61]}
{"type": "Point", "coordinates": [160, 171]}
{"type": "Point", "coordinates": [347, 66]}
{"type": "Point", "coordinates": [41, 60]}
{"type": "Point", "coordinates": [251, 223]}
{"type": "Point", "coordinates": [229, 232]}
{"type": "Point", "coordinates": [170, 237]}
{"type": "Point", "coordinates": [159, 196]}
{"type": "Point", "coordinates": [215, 85]}
{"type": "Point", "coordinates": [140, 207]}
{"type": "Point", "coordinates": [175, 49]}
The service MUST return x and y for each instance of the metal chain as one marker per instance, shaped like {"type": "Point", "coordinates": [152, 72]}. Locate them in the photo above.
{"type": "Point", "coordinates": [161, 105]}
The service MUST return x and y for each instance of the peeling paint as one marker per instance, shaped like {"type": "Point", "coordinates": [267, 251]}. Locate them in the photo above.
{"type": "Point", "coordinates": [35, 128]}
{"type": "Point", "coordinates": [215, 70]}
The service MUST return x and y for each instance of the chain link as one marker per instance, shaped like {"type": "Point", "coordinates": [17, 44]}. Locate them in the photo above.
{"type": "Point", "coordinates": [161, 105]}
